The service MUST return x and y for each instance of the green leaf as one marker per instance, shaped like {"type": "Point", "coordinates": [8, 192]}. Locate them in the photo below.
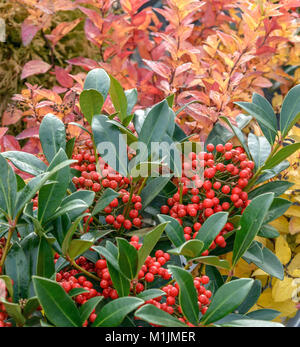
{"type": "Point", "coordinates": [212, 260]}
{"type": "Point", "coordinates": [14, 311]}
{"type": "Point", "coordinates": [277, 209]}
{"type": "Point", "coordinates": [130, 136]}
{"type": "Point", "coordinates": [70, 147]}
{"type": "Point", "coordinates": [84, 195]}
{"type": "Point", "coordinates": [50, 196]}
{"type": "Point", "coordinates": [77, 291]}
{"type": "Point", "coordinates": [211, 228]}
{"type": "Point", "coordinates": [259, 149]}
{"type": "Point", "coordinates": [238, 133]}
{"type": "Point", "coordinates": [132, 97]}
{"type": "Point", "coordinates": [86, 309]}
{"type": "Point", "coordinates": [91, 102]}
{"type": "Point", "coordinates": [154, 315]}
{"type": "Point", "coordinates": [263, 314]}
{"type": "Point", "coordinates": [282, 154]}
{"type": "Point", "coordinates": [226, 299]}
{"type": "Point", "coordinates": [268, 231]}
{"type": "Point", "coordinates": [52, 136]}
{"type": "Point", "coordinates": [120, 282]}
{"type": "Point", "coordinates": [152, 189]}
{"type": "Point", "coordinates": [81, 127]}
{"type": "Point", "coordinates": [271, 264]}
{"type": "Point", "coordinates": [106, 198]}
{"type": "Point", "coordinates": [127, 258]}
{"type": "Point", "coordinates": [216, 279]}
{"type": "Point", "coordinates": [191, 249]}
{"type": "Point", "coordinates": [31, 305]}
{"type": "Point", "coordinates": [76, 205]}
{"type": "Point", "coordinates": [151, 294]}
{"type": "Point", "coordinates": [110, 143]}
{"type": "Point", "coordinates": [118, 98]}
{"type": "Point", "coordinates": [26, 162]}
{"type": "Point", "coordinates": [8, 187]}
{"type": "Point", "coordinates": [170, 100]}
{"type": "Point", "coordinates": [58, 306]}
{"type": "Point", "coordinates": [99, 80]}
{"type": "Point", "coordinates": [150, 240]}
{"type": "Point", "coordinates": [188, 297]}
{"type": "Point", "coordinates": [67, 240]}
{"type": "Point", "coordinates": [113, 313]}
{"type": "Point", "coordinates": [219, 134]}
{"type": "Point", "coordinates": [78, 247]}
{"type": "Point", "coordinates": [290, 110]}
{"type": "Point", "coordinates": [251, 323]}
{"type": "Point", "coordinates": [251, 298]}
{"type": "Point", "coordinates": [260, 115]}
{"type": "Point", "coordinates": [253, 253]}
{"type": "Point", "coordinates": [251, 222]}
{"type": "Point", "coordinates": [264, 104]}
{"type": "Point", "coordinates": [45, 261]}
{"type": "Point", "coordinates": [95, 235]}
{"type": "Point", "coordinates": [276, 187]}
{"type": "Point", "coordinates": [173, 229]}
{"type": "Point", "coordinates": [17, 268]}
{"type": "Point", "coordinates": [268, 174]}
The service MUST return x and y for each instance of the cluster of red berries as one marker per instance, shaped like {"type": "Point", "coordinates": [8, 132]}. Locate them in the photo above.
{"type": "Point", "coordinates": [3, 317]}
{"type": "Point", "coordinates": [171, 304]}
{"type": "Point", "coordinates": [225, 176]}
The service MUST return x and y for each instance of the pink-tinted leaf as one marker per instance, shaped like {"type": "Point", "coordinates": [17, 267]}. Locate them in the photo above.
{"type": "Point", "coordinates": [63, 77]}
{"type": "Point", "coordinates": [86, 63]}
{"type": "Point", "coordinates": [9, 143]}
{"type": "Point", "coordinates": [158, 67]}
{"type": "Point", "coordinates": [11, 116]}
{"type": "Point", "coordinates": [2, 289]}
{"type": "Point", "coordinates": [28, 31]}
{"type": "Point", "coordinates": [32, 146]}
{"type": "Point", "coordinates": [34, 67]}
{"type": "Point", "coordinates": [93, 16]}
{"type": "Point", "coordinates": [61, 30]}
{"type": "Point", "coordinates": [30, 132]}
{"type": "Point", "coordinates": [3, 132]}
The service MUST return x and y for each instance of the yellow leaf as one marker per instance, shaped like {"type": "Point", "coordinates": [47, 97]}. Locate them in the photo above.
{"type": "Point", "coordinates": [281, 224]}
{"type": "Point", "coordinates": [294, 226]}
{"type": "Point", "coordinates": [297, 241]}
{"type": "Point", "coordinates": [293, 211]}
{"type": "Point", "coordinates": [282, 250]}
{"type": "Point", "coordinates": [283, 290]}
{"type": "Point", "coordinates": [294, 266]}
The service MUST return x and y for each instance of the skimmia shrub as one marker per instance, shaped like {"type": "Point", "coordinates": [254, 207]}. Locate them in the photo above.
{"type": "Point", "coordinates": [108, 230]}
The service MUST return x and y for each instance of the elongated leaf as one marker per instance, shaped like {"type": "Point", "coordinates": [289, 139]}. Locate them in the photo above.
{"type": "Point", "coordinates": [14, 311]}
{"type": "Point", "coordinates": [87, 308]}
{"type": "Point", "coordinates": [151, 294]}
{"type": "Point", "coordinates": [277, 187]}
{"type": "Point", "coordinates": [26, 162]}
{"type": "Point", "coordinates": [152, 189]}
{"type": "Point", "coordinates": [251, 298]}
{"type": "Point", "coordinates": [281, 155]}
{"type": "Point", "coordinates": [50, 196]}
{"type": "Point", "coordinates": [106, 198]}
{"type": "Point", "coordinates": [8, 284]}
{"type": "Point", "coordinates": [95, 235]}
{"type": "Point", "coordinates": [31, 305]}
{"type": "Point", "coordinates": [252, 323]}
{"type": "Point", "coordinates": [17, 268]}
{"type": "Point", "coordinates": [259, 149]}
{"type": "Point", "coordinates": [76, 205]}
{"type": "Point", "coordinates": [173, 230]}
{"type": "Point", "coordinates": [118, 98]}
{"type": "Point", "coordinates": [78, 247]}
{"type": "Point", "coordinates": [52, 136]}
{"type": "Point", "coordinates": [110, 143]}
{"type": "Point", "coordinates": [45, 262]}
{"type": "Point", "coordinates": [150, 240]}
{"type": "Point", "coordinates": [67, 240]}
{"type": "Point", "coordinates": [263, 314]}
{"type": "Point", "coordinates": [251, 222]}
{"type": "Point", "coordinates": [271, 264]}
{"type": "Point", "coordinates": [226, 299]}
{"type": "Point", "coordinates": [188, 298]}
{"type": "Point", "coordinates": [132, 97]}
{"type": "Point", "coordinates": [211, 228]}
{"type": "Point", "coordinates": [191, 249]}
{"type": "Point", "coordinates": [113, 313]}
{"type": "Point", "coordinates": [99, 80]}
{"type": "Point", "coordinates": [154, 315]}
{"type": "Point", "coordinates": [91, 102]}
{"type": "Point", "coordinates": [81, 127]}
{"type": "Point", "coordinates": [268, 174]}
{"type": "Point", "coordinates": [268, 231]}
{"type": "Point", "coordinates": [127, 258]}
{"type": "Point", "coordinates": [278, 207]}
{"type": "Point", "coordinates": [58, 306]}
{"type": "Point", "coordinates": [8, 187]}
{"type": "Point", "coordinates": [212, 260]}
{"type": "Point", "coordinates": [120, 282]}
{"type": "Point", "coordinates": [84, 195]}
{"type": "Point", "coordinates": [130, 136]}
{"type": "Point", "coordinates": [264, 104]}
{"type": "Point", "coordinates": [253, 253]}
{"type": "Point", "coordinates": [290, 110]}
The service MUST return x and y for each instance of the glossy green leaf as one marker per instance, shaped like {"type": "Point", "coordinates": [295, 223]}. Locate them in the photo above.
{"type": "Point", "coordinates": [130, 136]}
{"type": "Point", "coordinates": [45, 262]}
{"type": "Point", "coordinates": [290, 110]}
{"type": "Point", "coordinates": [226, 299]}
{"type": "Point", "coordinates": [77, 291]}
{"type": "Point", "coordinates": [91, 102]}
{"type": "Point", "coordinates": [268, 231]}
{"type": "Point", "coordinates": [70, 147]}
{"type": "Point", "coordinates": [31, 306]}
{"type": "Point", "coordinates": [271, 264]}
{"type": "Point", "coordinates": [52, 136]}
{"type": "Point", "coordinates": [127, 258]}
{"type": "Point", "coordinates": [152, 189]}
{"type": "Point", "coordinates": [251, 298]}
{"type": "Point", "coordinates": [8, 187]}
{"type": "Point", "coordinates": [78, 247]}
{"type": "Point", "coordinates": [150, 240]}
{"type": "Point", "coordinates": [277, 187]}
{"type": "Point", "coordinates": [188, 297]}
{"type": "Point", "coordinates": [120, 282]}
{"type": "Point", "coordinates": [173, 229]}
{"type": "Point", "coordinates": [211, 228]}
{"type": "Point", "coordinates": [87, 308]}
{"type": "Point", "coordinates": [106, 198]}
{"type": "Point", "coordinates": [14, 311]}
{"type": "Point", "coordinates": [154, 315]}
{"type": "Point", "coordinates": [263, 314]}
{"type": "Point", "coordinates": [253, 253]}
{"type": "Point", "coordinates": [113, 313]}
{"type": "Point", "coordinates": [251, 222]}
{"type": "Point", "coordinates": [99, 80]}
{"type": "Point", "coordinates": [132, 97]}
{"type": "Point", "coordinates": [252, 323]}
{"type": "Point", "coordinates": [191, 249]}
{"type": "Point", "coordinates": [270, 173]}
{"type": "Point", "coordinates": [26, 162]}
{"type": "Point", "coordinates": [67, 240]}
{"type": "Point", "coordinates": [281, 155]}
{"type": "Point", "coordinates": [84, 195]}
{"type": "Point", "coordinates": [58, 306]}
{"type": "Point", "coordinates": [118, 98]}
{"type": "Point", "coordinates": [212, 260]}
{"type": "Point", "coordinates": [151, 294]}
{"type": "Point", "coordinates": [278, 207]}
{"type": "Point", "coordinates": [76, 205]}
{"type": "Point", "coordinates": [259, 149]}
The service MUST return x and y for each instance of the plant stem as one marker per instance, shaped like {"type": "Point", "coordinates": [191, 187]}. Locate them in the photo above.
{"type": "Point", "coordinates": [7, 244]}
{"type": "Point", "coordinates": [142, 185]}
{"type": "Point", "coordinates": [73, 263]}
